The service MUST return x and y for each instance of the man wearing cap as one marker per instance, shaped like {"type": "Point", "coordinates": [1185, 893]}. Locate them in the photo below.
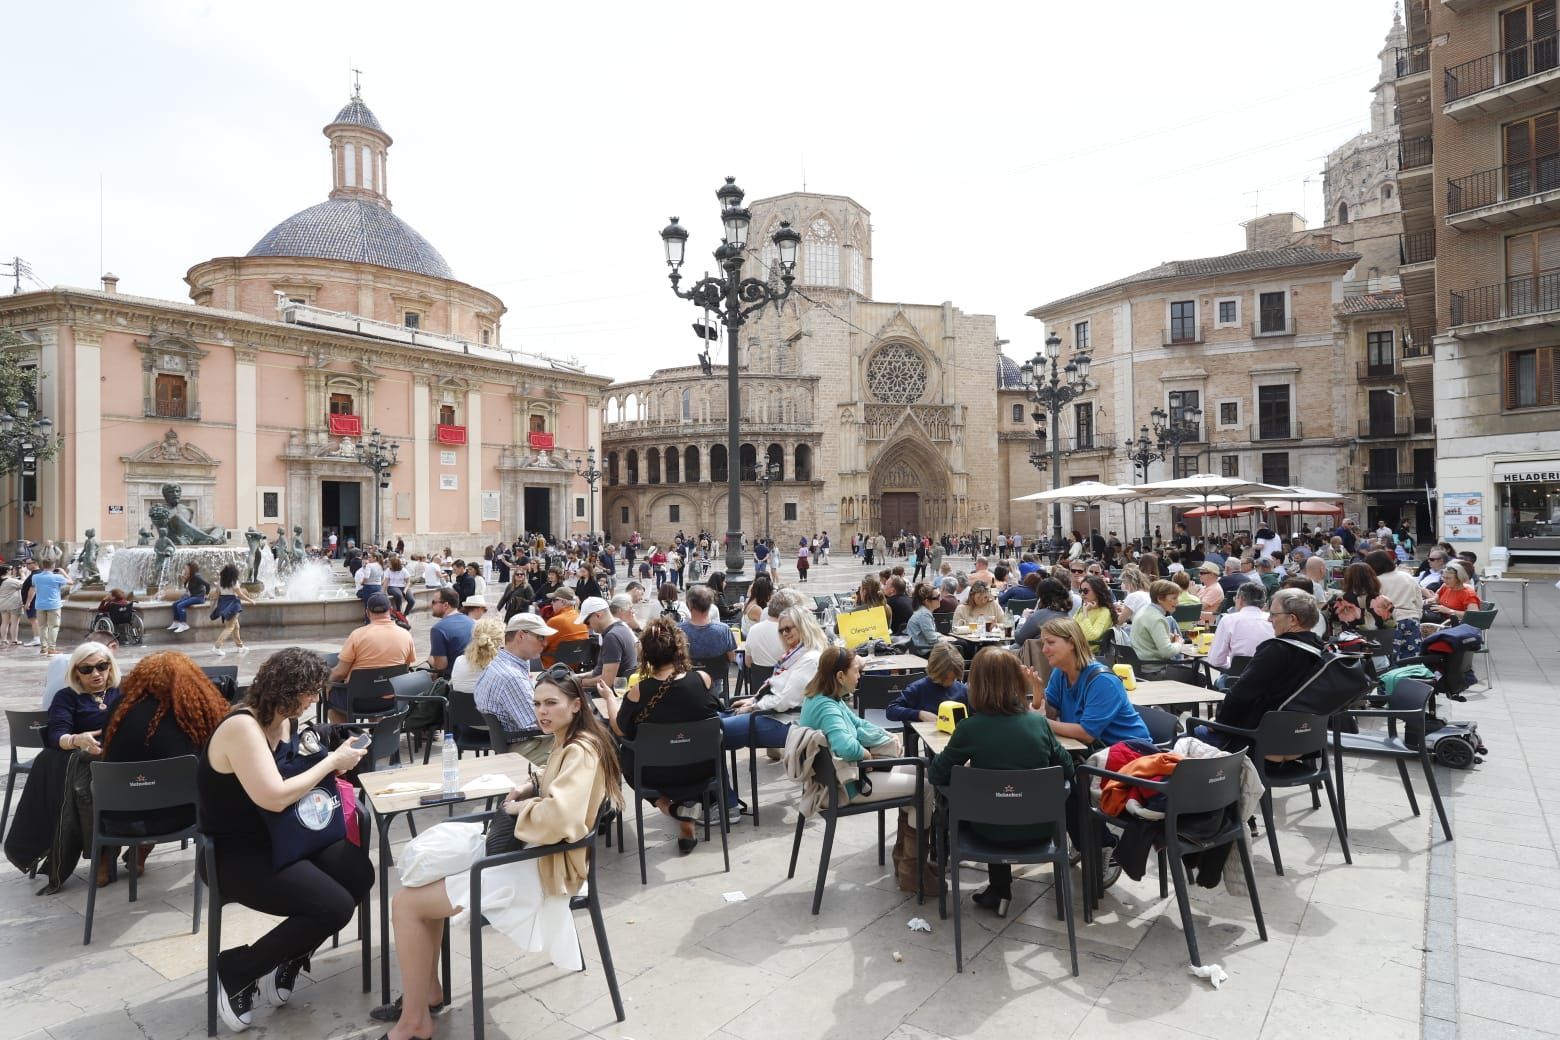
{"type": "Point", "coordinates": [379, 644]}
{"type": "Point", "coordinates": [565, 622]}
{"type": "Point", "coordinates": [619, 651]}
{"type": "Point", "coordinates": [450, 633]}
{"type": "Point", "coordinates": [474, 607]}
{"type": "Point", "coordinates": [1209, 591]}
{"type": "Point", "coordinates": [506, 689]}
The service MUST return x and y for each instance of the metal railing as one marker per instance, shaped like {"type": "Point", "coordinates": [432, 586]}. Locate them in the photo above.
{"type": "Point", "coordinates": [1416, 247]}
{"type": "Point", "coordinates": [1415, 152]}
{"type": "Point", "coordinates": [1497, 70]}
{"type": "Point", "coordinates": [1378, 369]}
{"type": "Point", "coordinates": [1413, 60]}
{"type": "Point", "coordinates": [1396, 427]}
{"type": "Point", "coordinates": [1422, 344]}
{"type": "Point", "coordinates": [1395, 481]}
{"type": "Point", "coordinates": [1513, 298]}
{"type": "Point", "coordinates": [171, 409]}
{"type": "Point", "coordinates": [1287, 330]}
{"type": "Point", "coordinates": [1178, 337]}
{"type": "Point", "coordinates": [1513, 181]}
{"type": "Point", "coordinates": [1290, 431]}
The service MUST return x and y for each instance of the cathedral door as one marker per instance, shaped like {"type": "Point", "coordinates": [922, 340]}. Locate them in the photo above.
{"type": "Point", "coordinates": [901, 512]}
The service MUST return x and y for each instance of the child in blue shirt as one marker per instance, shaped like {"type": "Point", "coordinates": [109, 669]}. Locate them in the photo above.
{"type": "Point", "coordinates": [918, 702]}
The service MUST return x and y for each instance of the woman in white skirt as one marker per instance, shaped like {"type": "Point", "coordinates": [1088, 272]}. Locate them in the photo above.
{"type": "Point", "coordinates": [527, 901]}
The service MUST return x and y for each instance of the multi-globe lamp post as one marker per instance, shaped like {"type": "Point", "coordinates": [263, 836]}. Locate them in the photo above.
{"type": "Point", "coordinates": [1054, 391]}
{"type": "Point", "coordinates": [379, 455]}
{"type": "Point", "coordinates": [1140, 452]}
{"type": "Point", "coordinates": [587, 470]}
{"type": "Point", "coordinates": [733, 299]}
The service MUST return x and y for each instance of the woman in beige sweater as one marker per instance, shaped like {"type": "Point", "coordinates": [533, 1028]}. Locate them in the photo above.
{"type": "Point", "coordinates": [558, 806]}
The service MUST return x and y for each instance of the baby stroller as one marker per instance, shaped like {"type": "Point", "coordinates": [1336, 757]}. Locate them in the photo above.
{"type": "Point", "coordinates": [123, 620]}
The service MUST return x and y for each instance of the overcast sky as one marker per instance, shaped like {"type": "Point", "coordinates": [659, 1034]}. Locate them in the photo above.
{"type": "Point", "coordinates": [1009, 153]}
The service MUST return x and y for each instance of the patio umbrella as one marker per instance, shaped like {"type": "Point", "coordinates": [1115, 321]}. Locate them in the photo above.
{"type": "Point", "coordinates": [1209, 486]}
{"type": "Point", "coordinates": [1228, 511]}
{"type": "Point", "coordinates": [1086, 491]}
{"type": "Point", "coordinates": [1316, 503]}
{"type": "Point", "coordinates": [1308, 509]}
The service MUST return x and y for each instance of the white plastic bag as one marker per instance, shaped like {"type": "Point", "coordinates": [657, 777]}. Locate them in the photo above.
{"type": "Point", "coordinates": [449, 848]}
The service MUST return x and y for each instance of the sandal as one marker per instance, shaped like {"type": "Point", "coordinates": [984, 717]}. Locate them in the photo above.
{"type": "Point", "coordinates": [391, 1012]}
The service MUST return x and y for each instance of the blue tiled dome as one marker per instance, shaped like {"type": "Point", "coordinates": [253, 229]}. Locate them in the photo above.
{"type": "Point", "coordinates": [357, 114]}
{"type": "Point", "coordinates": [354, 230]}
{"type": "Point", "coordinates": [1008, 376]}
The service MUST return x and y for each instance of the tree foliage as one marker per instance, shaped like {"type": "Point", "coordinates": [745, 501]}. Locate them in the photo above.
{"type": "Point", "coordinates": [18, 384]}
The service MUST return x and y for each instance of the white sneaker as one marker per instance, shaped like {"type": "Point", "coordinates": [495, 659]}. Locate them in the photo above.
{"type": "Point", "coordinates": [173, 627]}
{"type": "Point", "coordinates": [35, 642]}
{"type": "Point", "coordinates": [219, 651]}
{"type": "Point", "coordinates": [182, 627]}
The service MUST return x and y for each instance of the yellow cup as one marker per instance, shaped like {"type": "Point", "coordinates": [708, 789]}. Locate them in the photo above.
{"type": "Point", "coordinates": [1127, 678]}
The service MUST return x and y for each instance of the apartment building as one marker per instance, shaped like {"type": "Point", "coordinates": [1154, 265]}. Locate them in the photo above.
{"type": "Point", "coordinates": [1478, 104]}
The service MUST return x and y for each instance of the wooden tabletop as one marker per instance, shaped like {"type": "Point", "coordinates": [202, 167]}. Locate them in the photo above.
{"type": "Point", "coordinates": [1157, 693]}
{"type": "Point", "coordinates": [513, 767]}
{"type": "Point", "coordinates": [935, 739]}
{"type": "Point", "coordinates": [894, 663]}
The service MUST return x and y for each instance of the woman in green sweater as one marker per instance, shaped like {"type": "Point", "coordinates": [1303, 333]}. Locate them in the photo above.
{"type": "Point", "coordinates": [1000, 733]}
{"type": "Point", "coordinates": [854, 739]}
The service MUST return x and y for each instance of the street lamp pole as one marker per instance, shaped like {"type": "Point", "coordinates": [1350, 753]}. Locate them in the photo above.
{"type": "Point", "coordinates": [1174, 431]}
{"type": "Point", "coordinates": [586, 469]}
{"type": "Point", "coordinates": [726, 297]}
{"type": "Point", "coordinates": [1053, 393]}
{"type": "Point", "coordinates": [768, 475]}
{"type": "Point", "coordinates": [1141, 454]}
{"type": "Point", "coordinates": [379, 455]}
{"type": "Point", "coordinates": [25, 428]}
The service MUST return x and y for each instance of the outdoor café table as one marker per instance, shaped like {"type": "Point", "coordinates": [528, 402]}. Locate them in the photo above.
{"type": "Point", "coordinates": [386, 807]}
{"type": "Point", "coordinates": [935, 739]}
{"type": "Point", "coordinates": [894, 663]}
{"type": "Point", "coordinates": [1188, 652]}
{"type": "Point", "coordinates": [1161, 693]}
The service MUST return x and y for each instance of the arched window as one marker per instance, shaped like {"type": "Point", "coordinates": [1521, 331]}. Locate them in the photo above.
{"type": "Point", "coordinates": [718, 463]}
{"type": "Point", "coordinates": [1343, 212]}
{"type": "Point", "coordinates": [672, 467]}
{"type": "Point", "coordinates": [775, 457]}
{"type": "Point", "coordinates": [687, 405]}
{"type": "Point", "coordinates": [749, 462]}
{"type": "Point", "coordinates": [652, 467]}
{"type": "Point", "coordinates": [612, 468]}
{"type": "Point", "coordinates": [691, 465]}
{"type": "Point", "coordinates": [612, 410]}
{"type": "Point", "coordinates": [821, 254]}
{"type": "Point", "coordinates": [631, 408]}
{"type": "Point", "coordinates": [803, 470]}
{"type": "Point", "coordinates": [633, 466]}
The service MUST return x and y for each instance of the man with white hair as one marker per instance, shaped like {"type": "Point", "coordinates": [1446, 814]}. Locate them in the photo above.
{"type": "Point", "coordinates": [1278, 668]}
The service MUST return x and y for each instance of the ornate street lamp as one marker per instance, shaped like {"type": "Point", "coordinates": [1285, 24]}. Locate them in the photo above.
{"type": "Point", "coordinates": [766, 476]}
{"type": "Point", "coordinates": [1054, 392]}
{"type": "Point", "coordinates": [1140, 452]}
{"type": "Point", "coordinates": [734, 299]}
{"type": "Point", "coordinates": [586, 469]}
{"type": "Point", "coordinates": [379, 455]}
{"type": "Point", "coordinates": [1174, 431]}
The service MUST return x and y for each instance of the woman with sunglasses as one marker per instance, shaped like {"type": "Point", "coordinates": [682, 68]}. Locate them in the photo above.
{"type": "Point", "coordinates": [527, 900]}
{"type": "Point", "coordinates": [77, 715]}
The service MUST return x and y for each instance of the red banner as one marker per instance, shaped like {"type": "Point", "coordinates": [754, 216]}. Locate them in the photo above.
{"type": "Point", "coordinates": [450, 434]}
{"type": "Point", "coordinates": [346, 425]}
{"type": "Point", "coordinates": [541, 441]}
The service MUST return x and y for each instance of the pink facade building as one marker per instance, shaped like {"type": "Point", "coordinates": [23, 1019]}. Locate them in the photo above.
{"type": "Point", "coordinates": [340, 321]}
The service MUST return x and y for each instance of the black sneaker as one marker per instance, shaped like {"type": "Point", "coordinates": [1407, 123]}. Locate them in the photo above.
{"type": "Point", "coordinates": [236, 1006]}
{"type": "Point", "coordinates": [277, 987]}
{"type": "Point", "coordinates": [1111, 872]}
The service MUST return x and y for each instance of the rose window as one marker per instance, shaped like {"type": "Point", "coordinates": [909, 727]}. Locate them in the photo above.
{"type": "Point", "coordinates": [897, 374]}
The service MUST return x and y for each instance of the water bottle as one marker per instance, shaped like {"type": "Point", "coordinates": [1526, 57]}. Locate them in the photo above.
{"type": "Point", "coordinates": [451, 770]}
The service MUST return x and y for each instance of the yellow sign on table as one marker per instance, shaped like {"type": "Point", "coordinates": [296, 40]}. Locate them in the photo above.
{"type": "Point", "coordinates": [860, 626]}
{"type": "Point", "coordinates": [950, 714]}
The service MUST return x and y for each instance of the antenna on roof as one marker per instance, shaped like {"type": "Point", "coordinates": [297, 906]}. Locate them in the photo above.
{"type": "Point", "coordinates": [1256, 203]}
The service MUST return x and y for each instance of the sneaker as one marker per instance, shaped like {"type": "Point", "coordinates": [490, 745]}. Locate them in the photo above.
{"type": "Point", "coordinates": [34, 642]}
{"type": "Point", "coordinates": [183, 627]}
{"type": "Point", "coordinates": [1111, 874]}
{"type": "Point", "coordinates": [219, 651]}
{"type": "Point", "coordinates": [733, 815]}
{"type": "Point", "coordinates": [277, 987]}
{"type": "Point", "coordinates": [173, 626]}
{"type": "Point", "coordinates": [236, 1008]}
{"type": "Point", "coordinates": [774, 754]}
{"type": "Point", "coordinates": [242, 649]}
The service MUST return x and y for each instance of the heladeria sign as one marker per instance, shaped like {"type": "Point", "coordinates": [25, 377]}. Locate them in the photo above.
{"type": "Point", "coordinates": [1528, 476]}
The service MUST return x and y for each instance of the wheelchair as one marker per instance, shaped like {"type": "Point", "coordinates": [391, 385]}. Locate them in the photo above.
{"type": "Point", "coordinates": [124, 621]}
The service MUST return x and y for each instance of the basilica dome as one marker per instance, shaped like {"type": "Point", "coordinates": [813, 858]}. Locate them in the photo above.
{"type": "Point", "coordinates": [356, 230]}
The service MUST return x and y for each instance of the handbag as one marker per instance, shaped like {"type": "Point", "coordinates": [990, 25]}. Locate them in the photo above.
{"type": "Point", "coordinates": [314, 822]}
{"type": "Point", "coordinates": [501, 834]}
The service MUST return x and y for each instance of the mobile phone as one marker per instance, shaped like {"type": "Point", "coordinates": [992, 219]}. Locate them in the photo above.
{"type": "Point", "coordinates": [431, 799]}
{"type": "Point", "coordinates": [362, 740]}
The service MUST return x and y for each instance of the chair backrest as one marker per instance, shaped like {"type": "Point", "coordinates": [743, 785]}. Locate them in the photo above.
{"type": "Point", "coordinates": [386, 742]}
{"type": "Point", "coordinates": [1016, 607]}
{"type": "Point", "coordinates": [719, 670]}
{"type": "Point", "coordinates": [331, 659]}
{"type": "Point", "coordinates": [412, 684]}
{"type": "Point", "coordinates": [1187, 613]}
{"type": "Point", "coordinates": [879, 691]}
{"type": "Point", "coordinates": [1126, 655]}
{"type": "Point", "coordinates": [758, 675]}
{"type": "Point", "coordinates": [676, 743]}
{"type": "Point", "coordinates": [1163, 727]}
{"type": "Point", "coordinates": [371, 685]}
{"type": "Point", "coordinates": [943, 619]}
{"type": "Point", "coordinates": [578, 654]}
{"type": "Point", "coordinates": [1291, 733]}
{"type": "Point", "coordinates": [1481, 619]}
{"type": "Point", "coordinates": [1007, 796]}
{"type": "Point", "coordinates": [26, 728]}
{"type": "Point", "coordinates": [1180, 672]}
{"type": "Point", "coordinates": [497, 739]}
{"type": "Point", "coordinates": [1238, 664]}
{"type": "Point", "coordinates": [1204, 784]}
{"type": "Point", "coordinates": [464, 719]}
{"type": "Point", "coordinates": [162, 783]}
{"type": "Point", "coordinates": [225, 678]}
{"type": "Point", "coordinates": [1106, 652]}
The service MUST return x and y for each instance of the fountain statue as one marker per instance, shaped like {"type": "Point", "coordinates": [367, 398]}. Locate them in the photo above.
{"type": "Point", "coordinates": [143, 537]}
{"type": "Point", "coordinates": [178, 520]}
{"type": "Point", "coordinates": [86, 561]}
{"type": "Point", "coordinates": [256, 542]}
{"type": "Point", "coordinates": [163, 551]}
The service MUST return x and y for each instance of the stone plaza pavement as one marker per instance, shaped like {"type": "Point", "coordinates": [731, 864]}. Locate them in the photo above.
{"type": "Point", "coordinates": [1352, 950]}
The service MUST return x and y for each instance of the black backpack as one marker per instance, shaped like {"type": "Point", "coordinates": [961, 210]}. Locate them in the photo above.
{"type": "Point", "coordinates": [1338, 681]}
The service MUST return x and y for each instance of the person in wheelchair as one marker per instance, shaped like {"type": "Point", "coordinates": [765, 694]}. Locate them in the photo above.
{"type": "Point", "coordinates": [118, 614]}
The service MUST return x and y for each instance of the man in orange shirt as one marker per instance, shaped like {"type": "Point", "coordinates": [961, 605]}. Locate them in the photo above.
{"type": "Point", "coordinates": [565, 621]}
{"type": "Point", "coordinates": [379, 644]}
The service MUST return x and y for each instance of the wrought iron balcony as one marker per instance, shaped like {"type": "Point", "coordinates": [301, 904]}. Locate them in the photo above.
{"type": "Point", "coordinates": [1368, 370]}
{"type": "Point", "coordinates": [1416, 247]}
{"type": "Point", "coordinates": [1415, 153]}
{"type": "Point", "coordinates": [1412, 60]}
{"type": "Point", "coordinates": [1419, 344]}
{"type": "Point", "coordinates": [1513, 65]}
{"type": "Point", "coordinates": [1395, 481]}
{"type": "Point", "coordinates": [1186, 334]}
{"type": "Point", "coordinates": [1401, 426]}
{"type": "Point", "coordinates": [1274, 431]}
{"type": "Point", "coordinates": [1520, 297]}
{"type": "Point", "coordinates": [1509, 183]}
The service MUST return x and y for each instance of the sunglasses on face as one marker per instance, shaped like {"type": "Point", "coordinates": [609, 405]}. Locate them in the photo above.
{"type": "Point", "coordinates": [88, 669]}
{"type": "Point", "coordinates": [787, 628]}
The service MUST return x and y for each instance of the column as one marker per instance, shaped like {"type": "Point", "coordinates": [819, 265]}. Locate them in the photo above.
{"type": "Point", "coordinates": [245, 447]}
{"type": "Point", "coordinates": [593, 438]}
{"type": "Point", "coordinates": [86, 436]}
{"type": "Point", "coordinates": [474, 470]}
{"type": "Point", "coordinates": [422, 472]}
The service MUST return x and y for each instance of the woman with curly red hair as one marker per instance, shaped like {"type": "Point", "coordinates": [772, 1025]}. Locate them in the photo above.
{"type": "Point", "coordinates": [167, 708]}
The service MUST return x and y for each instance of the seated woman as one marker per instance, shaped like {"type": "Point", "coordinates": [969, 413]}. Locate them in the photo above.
{"type": "Point", "coordinates": [780, 699]}
{"type": "Point", "coordinates": [1153, 629]}
{"type": "Point", "coordinates": [922, 628]}
{"type": "Point", "coordinates": [1359, 604]}
{"type": "Point", "coordinates": [1134, 588]}
{"type": "Point", "coordinates": [167, 708]}
{"type": "Point", "coordinates": [237, 780]}
{"type": "Point", "coordinates": [979, 607]}
{"type": "Point", "coordinates": [1053, 602]}
{"type": "Point", "coordinates": [1023, 592]}
{"type": "Point", "coordinates": [853, 739]}
{"type": "Point", "coordinates": [487, 639]}
{"type": "Point", "coordinates": [869, 596]}
{"type": "Point", "coordinates": [521, 900]}
{"type": "Point", "coordinates": [669, 691]}
{"type": "Point", "coordinates": [1095, 617]}
{"type": "Point", "coordinates": [757, 602]}
{"type": "Point", "coordinates": [77, 715]}
{"type": "Point", "coordinates": [1000, 733]}
{"type": "Point", "coordinates": [1084, 700]}
{"type": "Point", "coordinates": [943, 681]}
{"type": "Point", "coordinates": [1455, 595]}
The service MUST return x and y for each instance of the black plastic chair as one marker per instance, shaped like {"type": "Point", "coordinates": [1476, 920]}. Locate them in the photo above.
{"type": "Point", "coordinates": [140, 788]}
{"type": "Point", "coordinates": [225, 678]}
{"type": "Point", "coordinates": [465, 720]}
{"type": "Point", "coordinates": [874, 693]}
{"type": "Point", "coordinates": [1006, 797]}
{"type": "Point", "coordinates": [1163, 727]}
{"type": "Point", "coordinates": [1187, 614]}
{"type": "Point", "coordinates": [943, 620]}
{"type": "Point", "coordinates": [498, 740]}
{"type": "Point", "coordinates": [719, 669]}
{"type": "Point", "coordinates": [1238, 663]}
{"type": "Point", "coordinates": [578, 655]}
{"type": "Point", "coordinates": [1198, 786]}
{"type": "Point", "coordinates": [1407, 705]}
{"type": "Point", "coordinates": [659, 745]}
{"type": "Point", "coordinates": [369, 693]}
{"type": "Point", "coordinates": [207, 863]}
{"type": "Point", "coordinates": [413, 688]}
{"type": "Point", "coordinates": [835, 810]}
{"type": "Point", "coordinates": [589, 900]}
{"type": "Point", "coordinates": [1289, 733]}
{"type": "Point", "coordinates": [26, 729]}
{"type": "Point", "coordinates": [1126, 655]}
{"type": "Point", "coordinates": [1105, 653]}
